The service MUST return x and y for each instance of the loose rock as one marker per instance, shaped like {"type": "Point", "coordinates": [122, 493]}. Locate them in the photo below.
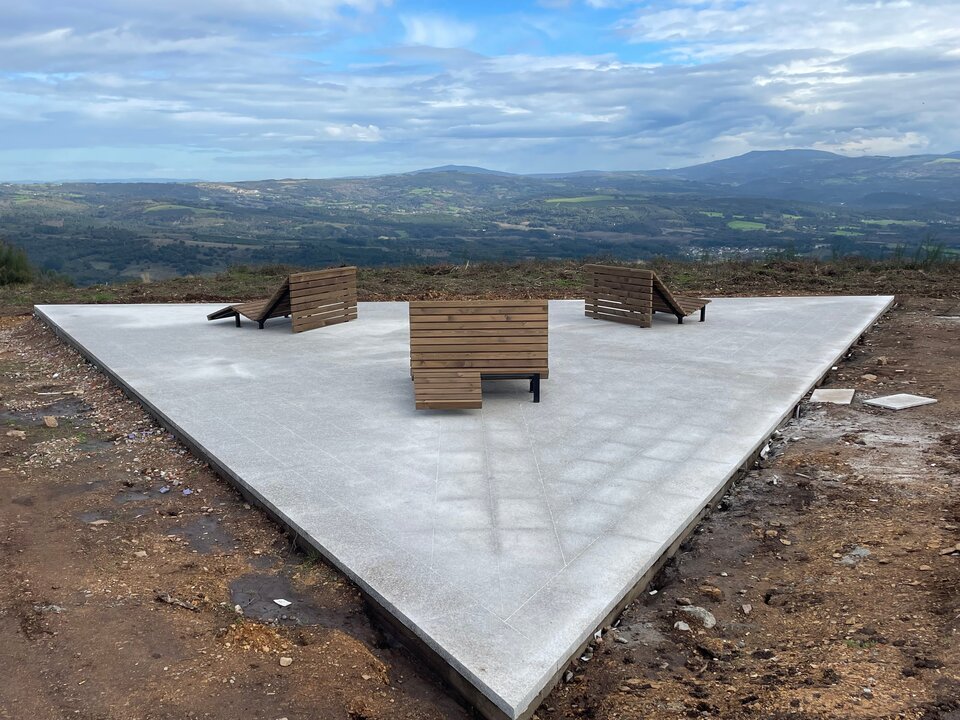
{"type": "Point", "coordinates": [286, 661]}
{"type": "Point", "coordinates": [701, 615]}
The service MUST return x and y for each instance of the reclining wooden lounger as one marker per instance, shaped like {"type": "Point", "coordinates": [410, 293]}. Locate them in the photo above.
{"type": "Point", "coordinates": [632, 295]}
{"type": "Point", "coordinates": [456, 344]}
{"type": "Point", "coordinates": [312, 299]}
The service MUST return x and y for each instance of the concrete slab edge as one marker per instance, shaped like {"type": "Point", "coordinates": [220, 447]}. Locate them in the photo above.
{"type": "Point", "coordinates": [473, 691]}
{"type": "Point", "coordinates": [633, 589]}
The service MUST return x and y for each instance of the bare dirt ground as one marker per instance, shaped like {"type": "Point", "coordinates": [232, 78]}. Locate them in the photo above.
{"type": "Point", "coordinates": [832, 570]}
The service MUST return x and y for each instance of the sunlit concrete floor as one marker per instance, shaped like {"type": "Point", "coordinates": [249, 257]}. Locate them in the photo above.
{"type": "Point", "coordinates": [500, 537]}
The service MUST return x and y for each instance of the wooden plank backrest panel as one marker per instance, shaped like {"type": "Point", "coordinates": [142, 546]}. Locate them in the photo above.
{"type": "Point", "coordinates": [276, 305]}
{"type": "Point", "coordinates": [664, 298]}
{"type": "Point", "coordinates": [323, 297]}
{"type": "Point", "coordinates": [619, 294]}
{"type": "Point", "coordinates": [487, 336]}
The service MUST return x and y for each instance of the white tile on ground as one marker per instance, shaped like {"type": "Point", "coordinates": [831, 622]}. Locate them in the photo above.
{"type": "Point", "coordinates": [837, 396]}
{"type": "Point", "coordinates": [900, 401]}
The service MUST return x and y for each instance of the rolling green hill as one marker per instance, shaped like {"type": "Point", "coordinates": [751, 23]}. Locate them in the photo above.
{"type": "Point", "coordinates": [756, 204]}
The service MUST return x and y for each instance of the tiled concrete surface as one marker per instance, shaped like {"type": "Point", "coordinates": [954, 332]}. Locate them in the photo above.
{"type": "Point", "coordinates": [501, 536]}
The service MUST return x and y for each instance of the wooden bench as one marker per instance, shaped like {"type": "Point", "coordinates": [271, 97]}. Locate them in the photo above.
{"type": "Point", "coordinates": [633, 295]}
{"type": "Point", "coordinates": [311, 299]}
{"type": "Point", "coordinates": [456, 344]}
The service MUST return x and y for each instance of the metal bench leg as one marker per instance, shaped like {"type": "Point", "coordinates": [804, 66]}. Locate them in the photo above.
{"type": "Point", "coordinates": [236, 319]}
{"type": "Point", "coordinates": [680, 320]}
{"type": "Point", "coordinates": [703, 313]}
{"type": "Point", "coordinates": [260, 323]}
{"type": "Point", "coordinates": [535, 387]}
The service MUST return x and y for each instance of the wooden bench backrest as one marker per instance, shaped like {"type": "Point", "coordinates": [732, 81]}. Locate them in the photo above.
{"type": "Point", "coordinates": [323, 297]}
{"type": "Point", "coordinates": [619, 294]}
{"type": "Point", "coordinates": [491, 336]}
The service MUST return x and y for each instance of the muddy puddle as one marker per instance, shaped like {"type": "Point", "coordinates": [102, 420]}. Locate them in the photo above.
{"type": "Point", "coordinates": [204, 534]}
{"type": "Point", "coordinates": [68, 408]}
{"type": "Point", "coordinates": [256, 593]}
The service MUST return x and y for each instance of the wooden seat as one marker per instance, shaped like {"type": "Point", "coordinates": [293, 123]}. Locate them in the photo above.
{"type": "Point", "coordinates": [312, 299]}
{"type": "Point", "coordinates": [633, 295]}
{"type": "Point", "coordinates": [454, 344]}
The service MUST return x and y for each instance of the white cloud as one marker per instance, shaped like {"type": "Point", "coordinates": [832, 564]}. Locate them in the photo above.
{"type": "Point", "coordinates": [240, 94]}
{"type": "Point", "coordinates": [437, 31]}
{"type": "Point", "coordinates": [353, 132]}
{"type": "Point", "coordinates": [710, 29]}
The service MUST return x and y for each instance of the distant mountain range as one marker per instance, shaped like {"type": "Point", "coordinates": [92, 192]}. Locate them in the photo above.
{"type": "Point", "coordinates": [801, 175]}
{"type": "Point", "coordinates": [810, 203]}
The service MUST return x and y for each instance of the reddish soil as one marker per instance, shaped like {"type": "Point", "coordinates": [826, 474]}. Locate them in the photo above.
{"type": "Point", "coordinates": [828, 569]}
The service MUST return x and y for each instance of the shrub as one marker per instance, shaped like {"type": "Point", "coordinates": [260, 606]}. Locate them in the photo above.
{"type": "Point", "coordinates": [15, 268]}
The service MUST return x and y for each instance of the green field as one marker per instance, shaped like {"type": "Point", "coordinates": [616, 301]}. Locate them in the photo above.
{"type": "Point", "coordinates": [711, 213]}
{"type": "Point", "coordinates": [582, 199]}
{"type": "Point", "coordinates": [885, 223]}
{"type": "Point", "coordinates": [186, 208]}
{"type": "Point", "coordinates": [746, 225]}
{"type": "Point", "coordinates": [944, 161]}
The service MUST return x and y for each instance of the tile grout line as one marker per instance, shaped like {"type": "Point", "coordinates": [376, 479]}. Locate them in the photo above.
{"type": "Point", "coordinates": [492, 511]}
{"type": "Point", "coordinates": [543, 487]}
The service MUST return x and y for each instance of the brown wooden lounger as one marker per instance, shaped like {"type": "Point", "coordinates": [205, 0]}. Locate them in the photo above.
{"type": "Point", "coordinates": [632, 295]}
{"type": "Point", "coordinates": [456, 344]}
{"type": "Point", "coordinates": [312, 299]}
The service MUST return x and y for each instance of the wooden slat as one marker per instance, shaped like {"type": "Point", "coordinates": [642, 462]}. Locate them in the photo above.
{"type": "Point", "coordinates": [479, 310]}
{"type": "Point", "coordinates": [300, 303]}
{"type": "Point", "coordinates": [322, 285]}
{"type": "Point", "coordinates": [614, 312]}
{"type": "Point", "coordinates": [309, 275]}
{"type": "Point", "coordinates": [628, 304]}
{"type": "Point", "coordinates": [427, 304]}
{"type": "Point", "coordinates": [423, 342]}
{"type": "Point", "coordinates": [514, 328]}
{"type": "Point", "coordinates": [613, 294]}
{"type": "Point", "coordinates": [425, 332]}
{"type": "Point", "coordinates": [313, 323]}
{"type": "Point", "coordinates": [639, 320]}
{"type": "Point", "coordinates": [618, 270]}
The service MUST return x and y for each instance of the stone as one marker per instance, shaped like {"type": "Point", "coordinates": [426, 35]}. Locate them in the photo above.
{"type": "Point", "coordinates": [869, 377]}
{"type": "Point", "coordinates": [684, 601]}
{"type": "Point", "coordinates": [286, 661]}
{"type": "Point", "coordinates": [20, 434]}
{"type": "Point", "coordinates": [50, 421]}
{"type": "Point", "coordinates": [140, 553]}
{"type": "Point", "coordinates": [711, 591]}
{"type": "Point", "coordinates": [900, 401]}
{"type": "Point", "coordinates": [681, 626]}
{"type": "Point", "coordinates": [854, 556]}
{"type": "Point", "coordinates": [746, 608]}
{"type": "Point", "coordinates": [701, 615]}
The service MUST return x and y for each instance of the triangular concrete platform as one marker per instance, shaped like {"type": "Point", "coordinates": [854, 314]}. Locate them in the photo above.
{"type": "Point", "coordinates": [499, 538]}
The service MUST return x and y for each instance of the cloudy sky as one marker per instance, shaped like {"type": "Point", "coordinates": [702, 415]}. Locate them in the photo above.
{"type": "Point", "coordinates": [249, 89]}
